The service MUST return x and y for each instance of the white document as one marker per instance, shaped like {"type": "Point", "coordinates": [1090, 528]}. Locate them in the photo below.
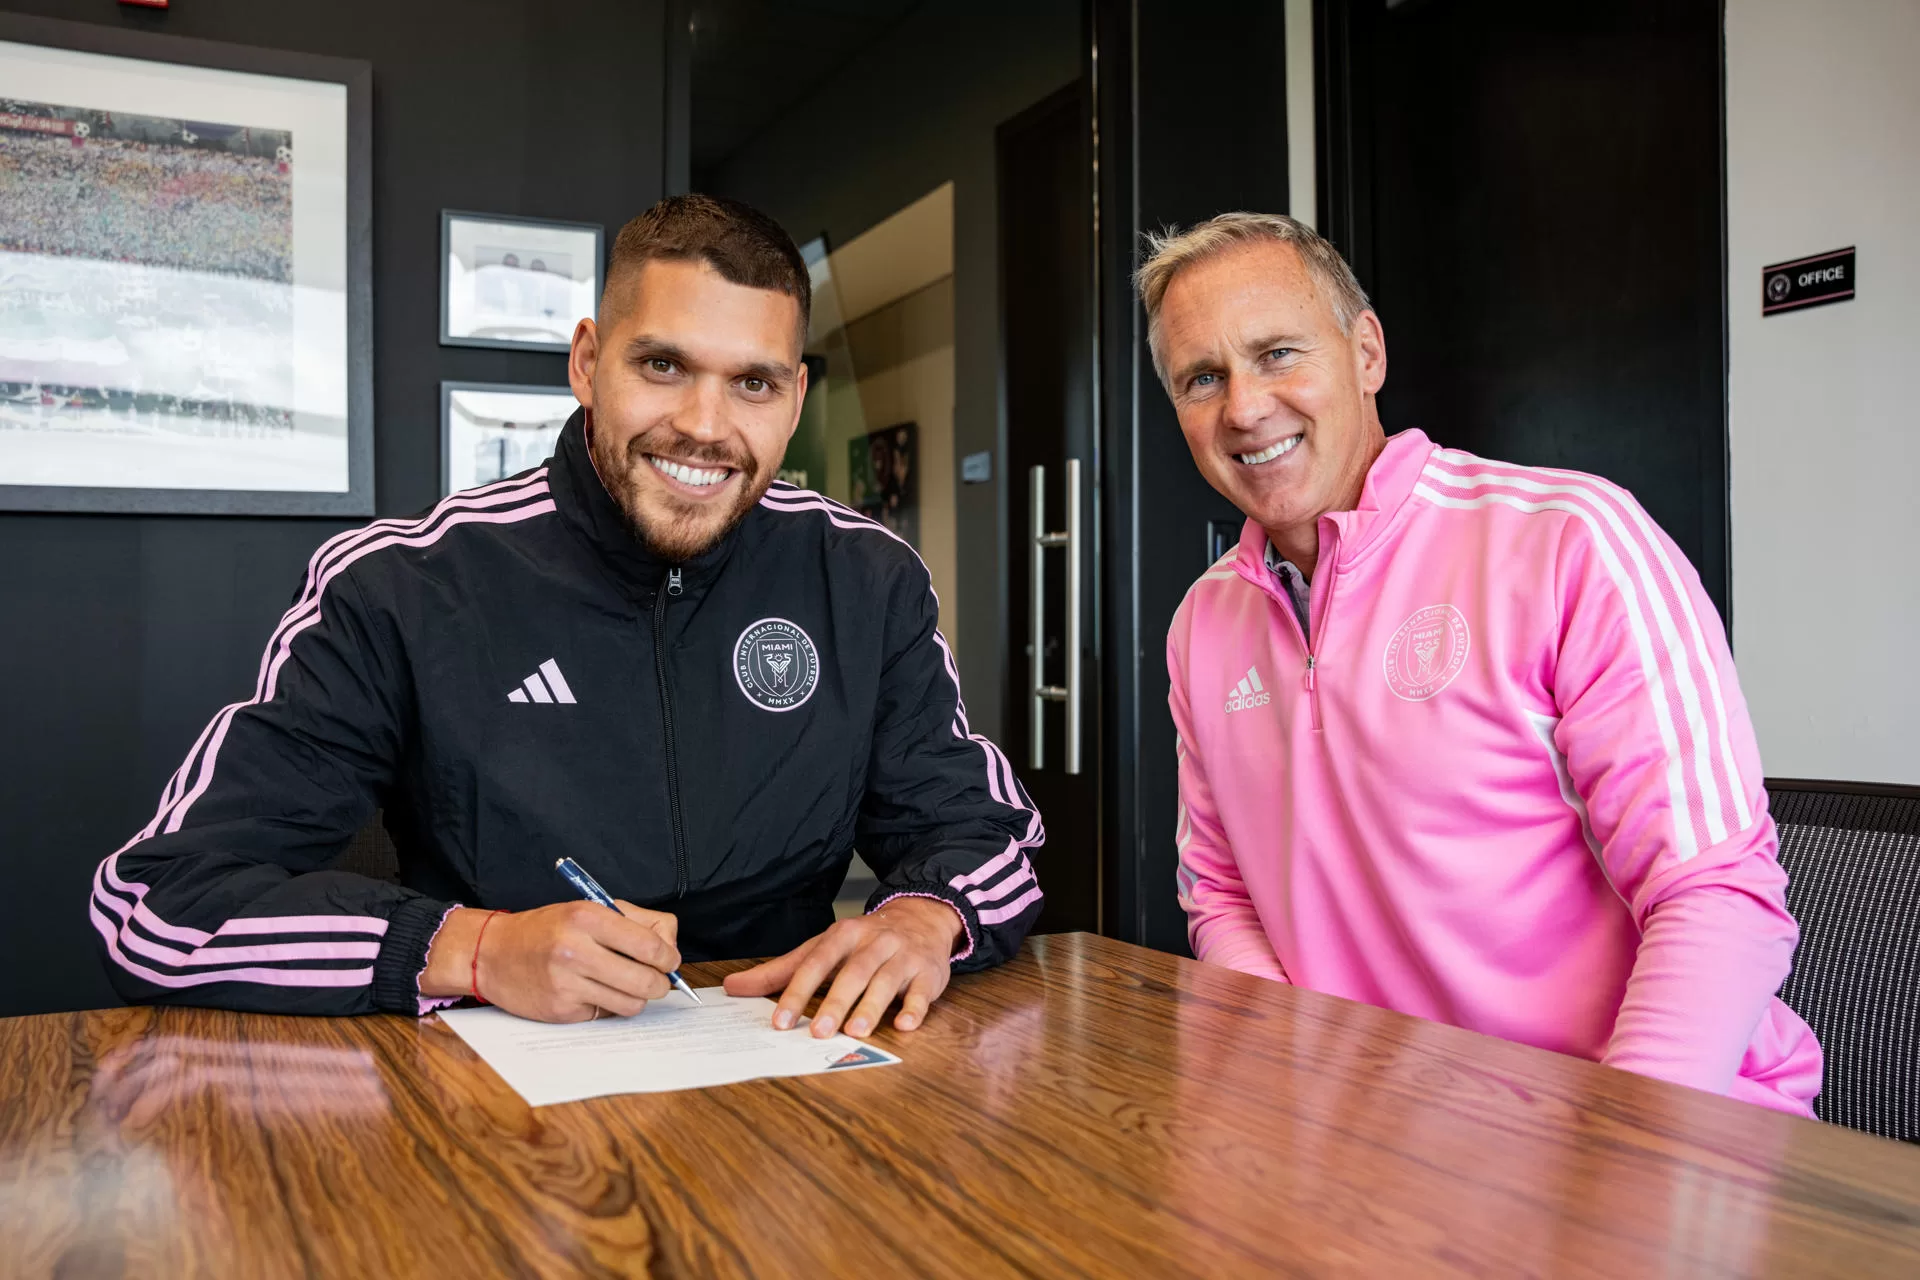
{"type": "Point", "coordinates": [673, 1043]}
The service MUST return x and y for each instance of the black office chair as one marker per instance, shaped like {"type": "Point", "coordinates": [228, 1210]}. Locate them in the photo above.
{"type": "Point", "coordinates": [1852, 855]}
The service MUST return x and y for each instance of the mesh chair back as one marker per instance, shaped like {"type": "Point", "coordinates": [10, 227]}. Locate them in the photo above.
{"type": "Point", "coordinates": [1852, 856]}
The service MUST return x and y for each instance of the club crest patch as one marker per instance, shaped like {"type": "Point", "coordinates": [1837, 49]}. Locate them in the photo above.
{"type": "Point", "coordinates": [776, 664]}
{"type": "Point", "coordinates": [1426, 653]}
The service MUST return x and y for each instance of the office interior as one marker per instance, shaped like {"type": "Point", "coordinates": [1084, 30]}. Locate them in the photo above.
{"type": "Point", "coordinates": [1561, 213]}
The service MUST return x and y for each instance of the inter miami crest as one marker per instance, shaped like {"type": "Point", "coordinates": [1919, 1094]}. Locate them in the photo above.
{"type": "Point", "coordinates": [776, 664]}
{"type": "Point", "coordinates": [1426, 653]}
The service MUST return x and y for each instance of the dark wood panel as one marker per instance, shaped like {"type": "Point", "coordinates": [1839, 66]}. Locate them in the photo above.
{"type": "Point", "coordinates": [1090, 1109]}
{"type": "Point", "coordinates": [1045, 189]}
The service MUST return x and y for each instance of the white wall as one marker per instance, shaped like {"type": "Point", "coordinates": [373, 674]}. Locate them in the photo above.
{"type": "Point", "coordinates": [1823, 151]}
{"type": "Point", "coordinates": [1302, 169]}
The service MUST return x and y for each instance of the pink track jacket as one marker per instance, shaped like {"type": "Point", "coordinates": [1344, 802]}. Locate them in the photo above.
{"type": "Point", "coordinates": [1510, 785]}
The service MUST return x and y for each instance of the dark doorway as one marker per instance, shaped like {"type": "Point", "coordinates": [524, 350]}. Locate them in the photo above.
{"type": "Point", "coordinates": [1045, 171]}
{"type": "Point", "coordinates": [1532, 195]}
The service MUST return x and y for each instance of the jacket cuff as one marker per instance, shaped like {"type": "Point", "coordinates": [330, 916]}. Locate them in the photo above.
{"type": "Point", "coordinates": [969, 921]}
{"type": "Point", "coordinates": [403, 954]}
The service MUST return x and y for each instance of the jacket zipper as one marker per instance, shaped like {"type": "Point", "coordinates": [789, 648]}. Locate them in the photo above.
{"type": "Point", "coordinates": [1312, 646]}
{"type": "Point", "coordinates": [1319, 639]}
{"type": "Point", "coordinates": [672, 588]}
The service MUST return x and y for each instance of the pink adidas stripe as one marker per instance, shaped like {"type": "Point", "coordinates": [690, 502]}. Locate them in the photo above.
{"type": "Point", "coordinates": [986, 870]}
{"type": "Point", "coordinates": [267, 977]}
{"type": "Point", "coordinates": [1002, 783]}
{"type": "Point", "coordinates": [497, 494]}
{"type": "Point", "coordinates": [995, 893]}
{"type": "Point", "coordinates": [205, 957]}
{"type": "Point", "coordinates": [480, 506]}
{"type": "Point", "coordinates": [1013, 908]}
{"type": "Point", "coordinates": [252, 925]}
{"type": "Point", "coordinates": [302, 924]}
{"type": "Point", "coordinates": [241, 926]}
{"type": "Point", "coordinates": [284, 649]}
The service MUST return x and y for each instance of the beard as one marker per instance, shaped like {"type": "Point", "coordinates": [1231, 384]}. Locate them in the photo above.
{"type": "Point", "coordinates": [667, 525]}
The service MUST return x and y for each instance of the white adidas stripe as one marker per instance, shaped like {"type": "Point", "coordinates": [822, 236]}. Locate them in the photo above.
{"type": "Point", "coordinates": [1543, 727]}
{"type": "Point", "coordinates": [1656, 688]}
{"type": "Point", "coordinates": [1649, 535]}
{"type": "Point", "coordinates": [550, 690]}
{"type": "Point", "coordinates": [1184, 878]}
{"type": "Point", "coordinates": [555, 681]}
{"type": "Point", "coordinates": [1702, 741]}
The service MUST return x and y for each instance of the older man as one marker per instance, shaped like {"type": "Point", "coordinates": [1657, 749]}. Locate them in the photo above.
{"type": "Point", "coordinates": [1457, 737]}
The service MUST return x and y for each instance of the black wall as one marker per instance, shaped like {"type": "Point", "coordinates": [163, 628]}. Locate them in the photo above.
{"type": "Point", "coordinates": [120, 636]}
{"type": "Point", "coordinates": [1184, 134]}
{"type": "Point", "coordinates": [1535, 202]}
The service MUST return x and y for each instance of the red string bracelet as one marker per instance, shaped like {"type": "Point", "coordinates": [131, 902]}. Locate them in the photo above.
{"type": "Point", "coordinates": [474, 985]}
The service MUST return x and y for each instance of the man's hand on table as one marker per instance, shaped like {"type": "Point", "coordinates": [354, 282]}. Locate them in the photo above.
{"type": "Point", "coordinates": [904, 949]}
{"type": "Point", "coordinates": [563, 963]}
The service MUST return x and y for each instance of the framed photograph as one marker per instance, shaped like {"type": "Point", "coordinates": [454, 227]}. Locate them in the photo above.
{"type": "Point", "coordinates": [491, 430]}
{"type": "Point", "coordinates": [185, 300]}
{"type": "Point", "coordinates": [518, 283]}
{"type": "Point", "coordinates": [884, 480]}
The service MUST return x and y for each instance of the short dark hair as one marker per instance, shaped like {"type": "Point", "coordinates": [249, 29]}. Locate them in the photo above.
{"type": "Point", "coordinates": [737, 240]}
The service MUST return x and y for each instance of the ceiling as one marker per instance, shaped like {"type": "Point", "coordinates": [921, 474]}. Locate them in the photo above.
{"type": "Point", "coordinates": [753, 59]}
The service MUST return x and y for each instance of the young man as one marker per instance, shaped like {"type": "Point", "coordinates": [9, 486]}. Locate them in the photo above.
{"type": "Point", "coordinates": [1457, 737]}
{"type": "Point", "coordinates": [706, 688]}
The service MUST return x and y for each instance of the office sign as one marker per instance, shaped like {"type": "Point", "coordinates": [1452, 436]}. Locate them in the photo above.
{"type": "Point", "coordinates": [1807, 282]}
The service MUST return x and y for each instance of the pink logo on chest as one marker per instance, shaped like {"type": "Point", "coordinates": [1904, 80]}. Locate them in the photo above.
{"type": "Point", "coordinates": [1426, 653]}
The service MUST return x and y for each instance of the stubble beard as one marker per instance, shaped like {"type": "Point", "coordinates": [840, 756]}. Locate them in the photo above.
{"type": "Point", "coordinates": [670, 528]}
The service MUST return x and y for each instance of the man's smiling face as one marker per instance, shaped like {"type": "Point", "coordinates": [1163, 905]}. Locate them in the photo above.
{"type": "Point", "coordinates": [1274, 400]}
{"type": "Point", "coordinates": [693, 387]}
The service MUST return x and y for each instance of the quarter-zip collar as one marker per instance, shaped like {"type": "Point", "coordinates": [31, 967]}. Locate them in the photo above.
{"type": "Point", "coordinates": [586, 506]}
{"type": "Point", "coordinates": [1345, 536]}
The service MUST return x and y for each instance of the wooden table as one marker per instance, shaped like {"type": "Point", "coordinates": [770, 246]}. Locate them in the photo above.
{"type": "Point", "coordinates": [1091, 1108]}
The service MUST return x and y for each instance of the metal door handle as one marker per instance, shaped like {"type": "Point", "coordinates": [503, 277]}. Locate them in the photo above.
{"type": "Point", "coordinates": [1041, 540]}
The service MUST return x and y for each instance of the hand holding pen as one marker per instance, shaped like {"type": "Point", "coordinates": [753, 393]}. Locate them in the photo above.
{"type": "Point", "coordinates": [567, 962]}
{"type": "Point", "coordinates": [589, 888]}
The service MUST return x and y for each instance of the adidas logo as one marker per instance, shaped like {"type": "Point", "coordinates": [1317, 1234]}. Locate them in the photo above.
{"type": "Point", "coordinates": [1248, 693]}
{"type": "Point", "coordinates": [552, 689]}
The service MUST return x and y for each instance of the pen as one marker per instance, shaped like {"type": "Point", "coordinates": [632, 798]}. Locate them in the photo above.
{"type": "Point", "coordinates": [590, 889]}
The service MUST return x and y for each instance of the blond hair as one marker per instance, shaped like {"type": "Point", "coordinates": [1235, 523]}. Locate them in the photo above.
{"type": "Point", "coordinates": [1172, 250]}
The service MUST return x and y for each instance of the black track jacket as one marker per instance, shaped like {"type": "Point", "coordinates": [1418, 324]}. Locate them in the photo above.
{"type": "Point", "coordinates": [514, 678]}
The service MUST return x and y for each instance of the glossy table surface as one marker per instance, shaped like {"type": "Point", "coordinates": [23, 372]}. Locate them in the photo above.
{"type": "Point", "coordinates": [1091, 1108]}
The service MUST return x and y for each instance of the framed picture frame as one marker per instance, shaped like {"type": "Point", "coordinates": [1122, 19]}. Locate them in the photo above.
{"type": "Point", "coordinates": [519, 284]}
{"type": "Point", "coordinates": [883, 469]}
{"type": "Point", "coordinates": [186, 313]}
{"type": "Point", "coordinates": [491, 430]}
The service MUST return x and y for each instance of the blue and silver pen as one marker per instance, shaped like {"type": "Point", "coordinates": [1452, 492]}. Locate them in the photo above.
{"type": "Point", "coordinates": [590, 889]}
